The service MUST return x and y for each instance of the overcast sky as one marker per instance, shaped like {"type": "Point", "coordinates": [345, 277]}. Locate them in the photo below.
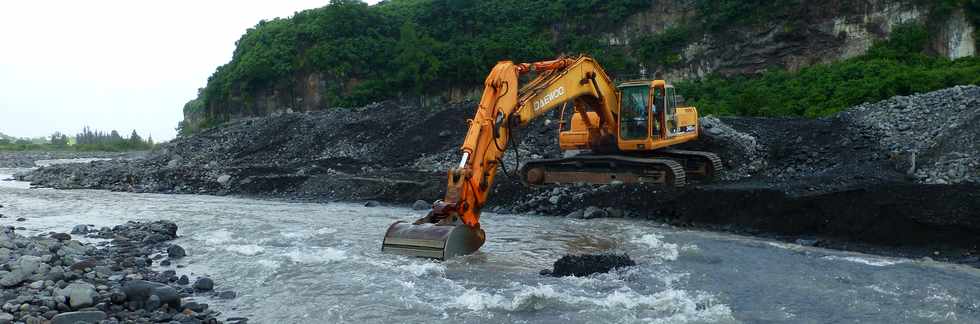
{"type": "Point", "coordinates": [116, 64]}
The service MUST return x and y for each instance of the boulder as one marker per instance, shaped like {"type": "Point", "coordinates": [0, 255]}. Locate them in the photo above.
{"type": "Point", "coordinates": [224, 179]}
{"type": "Point", "coordinates": [195, 306]}
{"type": "Point", "coordinates": [13, 278]}
{"type": "Point", "coordinates": [61, 236]}
{"type": "Point", "coordinates": [79, 229]}
{"type": "Point", "coordinates": [79, 317]}
{"type": "Point", "coordinates": [421, 205]}
{"type": "Point", "coordinates": [176, 252]}
{"type": "Point", "coordinates": [79, 294]}
{"type": "Point", "coordinates": [594, 212]}
{"type": "Point", "coordinates": [6, 318]}
{"type": "Point", "coordinates": [140, 291]}
{"type": "Point", "coordinates": [203, 284]}
{"type": "Point", "coordinates": [587, 264]}
{"type": "Point", "coordinates": [576, 214]}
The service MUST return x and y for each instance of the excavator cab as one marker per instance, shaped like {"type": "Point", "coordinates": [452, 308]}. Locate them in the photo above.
{"type": "Point", "coordinates": [649, 117]}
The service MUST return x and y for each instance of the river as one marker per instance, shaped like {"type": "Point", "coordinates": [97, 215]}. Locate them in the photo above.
{"type": "Point", "coordinates": [321, 263]}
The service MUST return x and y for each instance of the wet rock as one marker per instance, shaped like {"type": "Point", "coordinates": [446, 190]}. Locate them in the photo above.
{"type": "Point", "coordinates": [21, 219]}
{"type": "Point", "coordinates": [117, 296]}
{"type": "Point", "coordinates": [236, 320]}
{"type": "Point", "coordinates": [576, 214]}
{"type": "Point", "coordinates": [6, 318]}
{"type": "Point", "coordinates": [224, 179]}
{"type": "Point", "coordinates": [84, 264]}
{"type": "Point", "coordinates": [594, 212]}
{"type": "Point", "coordinates": [228, 294]}
{"type": "Point", "coordinates": [807, 242]}
{"type": "Point", "coordinates": [421, 205]}
{"type": "Point", "coordinates": [152, 303]}
{"type": "Point", "coordinates": [13, 278]}
{"type": "Point", "coordinates": [587, 264]}
{"type": "Point", "coordinates": [183, 280]}
{"type": "Point", "coordinates": [203, 284]}
{"type": "Point", "coordinates": [79, 317]}
{"type": "Point", "coordinates": [79, 294]}
{"type": "Point", "coordinates": [139, 293]}
{"type": "Point", "coordinates": [61, 236]}
{"type": "Point", "coordinates": [372, 203]}
{"type": "Point", "coordinates": [79, 229]}
{"type": "Point", "coordinates": [614, 212]}
{"type": "Point", "coordinates": [195, 306]}
{"type": "Point", "coordinates": [176, 252]}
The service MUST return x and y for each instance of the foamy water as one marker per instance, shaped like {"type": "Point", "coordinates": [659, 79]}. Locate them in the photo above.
{"type": "Point", "coordinates": [321, 263]}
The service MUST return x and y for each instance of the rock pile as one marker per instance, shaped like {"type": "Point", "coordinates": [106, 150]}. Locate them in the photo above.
{"type": "Point", "coordinates": [55, 278]}
{"type": "Point", "coordinates": [934, 136]}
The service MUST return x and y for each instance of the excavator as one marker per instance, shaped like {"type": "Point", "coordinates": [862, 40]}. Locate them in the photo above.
{"type": "Point", "coordinates": [617, 133]}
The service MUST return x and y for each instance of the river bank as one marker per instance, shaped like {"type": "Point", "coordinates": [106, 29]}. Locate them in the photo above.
{"type": "Point", "coordinates": [898, 176]}
{"type": "Point", "coordinates": [30, 159]}
{"type": "Point", "coordinates": [110, 279]}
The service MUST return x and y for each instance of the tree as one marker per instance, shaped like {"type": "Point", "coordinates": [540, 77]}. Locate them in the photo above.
{"type": "Point", "coordinates": [135, 139]}
{"type": "Point", "coordinates": [417, 65]}
{"type": "Point", "coordinates": [59, 140]}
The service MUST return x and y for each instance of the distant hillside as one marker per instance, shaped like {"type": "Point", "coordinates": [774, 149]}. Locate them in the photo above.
{"type": "Point", "coordinates": [348, 53]}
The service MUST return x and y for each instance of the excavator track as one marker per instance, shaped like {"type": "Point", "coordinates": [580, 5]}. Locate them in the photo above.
{"type": "Point", "coordinates": [604, 169]}
{"type": "Point", "coordinates": [698, 165]}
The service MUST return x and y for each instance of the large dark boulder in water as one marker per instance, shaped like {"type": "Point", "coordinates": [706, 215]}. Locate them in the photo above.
{"type": "Point", "coordinates": [587, 264]}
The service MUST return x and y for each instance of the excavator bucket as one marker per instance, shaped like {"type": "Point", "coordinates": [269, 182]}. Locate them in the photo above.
{"type": "Point", "coordinates": [432, 240]}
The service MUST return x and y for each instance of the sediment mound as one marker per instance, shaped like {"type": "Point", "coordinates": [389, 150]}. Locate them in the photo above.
{"type": "Point", "coordinates": [587, 264]}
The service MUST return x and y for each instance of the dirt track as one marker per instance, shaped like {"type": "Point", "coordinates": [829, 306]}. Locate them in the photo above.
{"type": "Point", "coordinates": [900, 172]}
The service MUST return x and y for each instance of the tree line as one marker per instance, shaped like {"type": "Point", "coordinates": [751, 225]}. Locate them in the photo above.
{"type": "Point", "coordinates": [86, 140]}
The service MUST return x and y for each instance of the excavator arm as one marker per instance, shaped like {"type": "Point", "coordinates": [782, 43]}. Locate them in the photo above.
{"type": "Point", "coordinates": [452, 227]}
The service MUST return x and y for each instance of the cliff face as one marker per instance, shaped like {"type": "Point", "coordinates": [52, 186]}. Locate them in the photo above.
{"type": "Point", "coordinates": [814, 32]}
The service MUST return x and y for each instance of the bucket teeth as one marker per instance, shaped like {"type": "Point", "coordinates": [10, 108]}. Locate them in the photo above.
{"type": "Point", "coordinates": [431, 241]}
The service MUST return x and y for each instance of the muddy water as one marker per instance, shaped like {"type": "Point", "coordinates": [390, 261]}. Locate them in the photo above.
{"type": "Point", "coordinates": [320, 263]}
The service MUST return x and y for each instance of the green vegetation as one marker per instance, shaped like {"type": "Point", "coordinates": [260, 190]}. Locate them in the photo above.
{"type": "Point", "coordinates": [87, 140]}
{"type": "Point", "coordinates": [894, 67]}
{"type": "Point", "coordinates": [407, 47]}
{"type": "Point", "coordinates": [417, 48]}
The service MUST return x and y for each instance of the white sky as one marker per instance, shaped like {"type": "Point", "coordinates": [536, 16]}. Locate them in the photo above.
{"type": "Point", "coordinates": [116, 64]}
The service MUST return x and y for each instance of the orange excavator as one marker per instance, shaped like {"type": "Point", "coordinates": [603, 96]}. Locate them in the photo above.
{"type": "Point", "coordinates": [616, 133]}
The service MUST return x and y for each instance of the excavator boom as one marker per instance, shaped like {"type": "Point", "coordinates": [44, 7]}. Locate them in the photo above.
{"type": "Point", "coordinates": [452, 227]}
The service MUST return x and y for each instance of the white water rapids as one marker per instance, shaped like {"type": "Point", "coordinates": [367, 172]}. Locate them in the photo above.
{"type": "Point", "coordinates": [321, 263]}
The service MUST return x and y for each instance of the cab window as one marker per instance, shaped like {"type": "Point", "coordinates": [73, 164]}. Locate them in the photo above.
{"type": "Point", "coordinates": [633, 113]}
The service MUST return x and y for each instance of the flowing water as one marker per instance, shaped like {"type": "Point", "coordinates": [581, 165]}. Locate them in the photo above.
{"type": "Point", "coordinates": [321, 263]}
